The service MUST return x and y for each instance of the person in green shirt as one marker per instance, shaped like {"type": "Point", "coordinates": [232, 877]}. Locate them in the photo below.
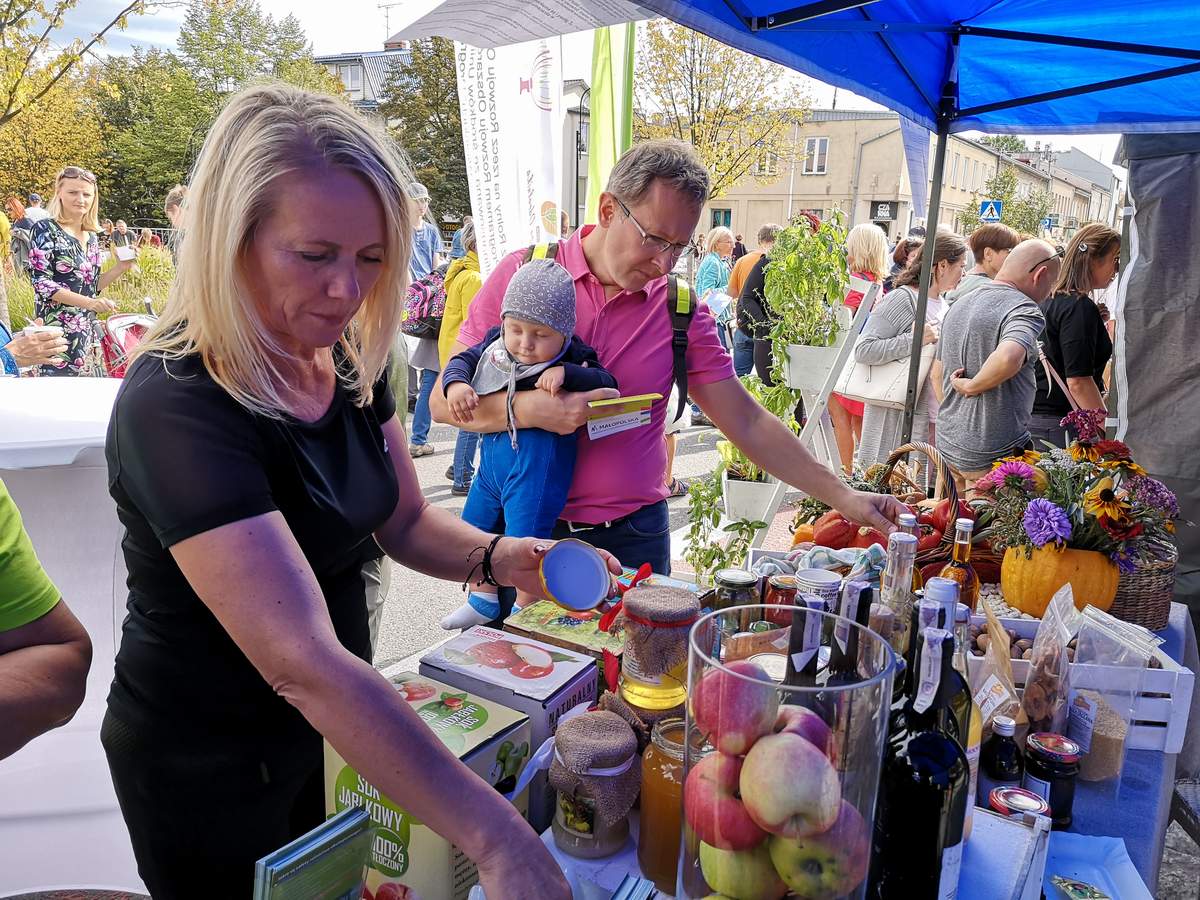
{"type": "Point", "coordinates": [44, 651]}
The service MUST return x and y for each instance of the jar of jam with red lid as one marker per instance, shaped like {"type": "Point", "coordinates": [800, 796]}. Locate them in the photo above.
{"type": "Point", "coordinates": [1015, 802]}
{"type": "Point", "coordinates": [1051, 766]}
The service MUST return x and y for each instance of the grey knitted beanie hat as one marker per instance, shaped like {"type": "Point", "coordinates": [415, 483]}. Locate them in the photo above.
{"type": "Point", "coordinates": [542, 291]}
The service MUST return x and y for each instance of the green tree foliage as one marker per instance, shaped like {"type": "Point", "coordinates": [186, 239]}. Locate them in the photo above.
{"type": "Point", "coordinates": [737, 110]}
{"type": "Point", "coordinates": [1023, 213]}
{"type": "Point", "coordinates": [155, 117]}
{"type": "Point", "coordinates": [1005, 143]}
{"type": "Point", "coordinates": [420, 104]}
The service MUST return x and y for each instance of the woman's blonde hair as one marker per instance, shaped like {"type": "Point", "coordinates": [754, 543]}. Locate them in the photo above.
{"type": "Point", "coordinates": [91, 218]}
{"type": "Point", "coordinates": [710, 240]}
{"type": "Point", "coordinates": [263, 137]}
{"type": "Point", "coordinates": [1090, 242]}
{"type": "Point", "coordinates": [867, 250]}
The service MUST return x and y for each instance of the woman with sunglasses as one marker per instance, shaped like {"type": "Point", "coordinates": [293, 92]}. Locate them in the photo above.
{"type": "Point", "coordinates": [64, 261]}
{"type": "Point", "coordinates": [1076, 341]}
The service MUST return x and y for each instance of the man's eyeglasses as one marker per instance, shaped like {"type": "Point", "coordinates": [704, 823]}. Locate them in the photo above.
{"type": "Point", "coordinates": [1061, 251]}
{"type": "Point", "coordinates": [658, 244]}
{"type": "Point", "coordinates": [76, 172]}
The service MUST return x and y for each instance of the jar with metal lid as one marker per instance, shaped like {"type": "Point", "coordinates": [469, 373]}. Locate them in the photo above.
{"type": "Point", "coordinates": [1051, 766]}
{"type": "Point", "coordinates": [662, 804]}
{"type": "Point", "coordinates": [1015, 802]}
{"type": "Point", "coordinates": [781, 591]}
{"type": "Point", "coordinates": [735, 587]}
{"type": "Point", "coordinates": [656, 619]}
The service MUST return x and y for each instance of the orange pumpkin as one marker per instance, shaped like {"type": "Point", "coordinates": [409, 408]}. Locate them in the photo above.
{"type": "Point", "coordinates": [1029, 584]}
{"type": "Point", "coordinates": [803, 532]}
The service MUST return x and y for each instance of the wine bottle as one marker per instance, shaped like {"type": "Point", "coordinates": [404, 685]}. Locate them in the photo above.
{"type": "Point", "coordinates": [926, 614]}
{"type": "Point", "coordinates": [908, 523]}
{"type": "Point", "coordinates": [804, 642]}
{"type": "Point", "coordinates": [923, 791]}
{"type": "Point", "coordinates": [973, 729]}
{"type": "Point", "coordinates": [897, 586]}
{"type": "Point", "coordinates": [837, 707]}
{"type": "Point", "coordinates": [944, 592]}
{"type": "Point", "coordinates": [959, 568]}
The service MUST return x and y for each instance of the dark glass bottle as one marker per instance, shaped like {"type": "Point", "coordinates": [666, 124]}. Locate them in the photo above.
{"type": "Point", "coordinates": [843, 650]}
{"type": "Point", "coordinates": [923, 790]}
{"type": "Point", "coordinates": [925, 614]}
{"type": "Point", "coordinates": [1000, 760]}
{"type": "Point", "coordinates": [959, 568]}
{"type": "Point", "coordinates": [804, 642]}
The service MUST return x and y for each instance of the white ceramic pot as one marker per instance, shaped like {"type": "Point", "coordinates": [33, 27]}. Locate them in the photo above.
{"type": "Point", "coordinates": [750, 500]}
{"type": "Point", "coordinates": [808, 367]}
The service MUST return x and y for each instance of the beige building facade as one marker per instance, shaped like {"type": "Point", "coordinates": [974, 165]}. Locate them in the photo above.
{"type": "Point", "coordinates": [853, 161]}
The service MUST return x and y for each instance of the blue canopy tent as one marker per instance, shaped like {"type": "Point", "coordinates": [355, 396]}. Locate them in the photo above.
{"type": "Point", "coordinates": [1018, 66]}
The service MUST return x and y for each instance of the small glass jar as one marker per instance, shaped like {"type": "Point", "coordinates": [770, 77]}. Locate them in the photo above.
{"type": "Point", "coordinates": [735, 587]}
{"type": "Point", "coordinates": [662, 804]}
{"type": "Point", "coordinates": [578, 832]}
{"type": "Point", "coordinates": [781, 591]}
{"type": "Point", "coordinates": [1051, 765]}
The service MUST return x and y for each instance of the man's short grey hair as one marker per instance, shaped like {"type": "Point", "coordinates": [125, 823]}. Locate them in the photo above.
{"type": "Point", "coordinates": [767, 233]}
{"type": "Point", "coordinates": [668, 159]}
{"type": "Point", "coordinates": [468, 234]}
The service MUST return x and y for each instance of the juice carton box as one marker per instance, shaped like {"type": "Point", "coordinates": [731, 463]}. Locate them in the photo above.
{"type": "Point", "coordinates": [547, 621]}
{"type": "Point", "coordinates": [491, 739]}
{"type": "Point", "coordinates": [540, 680]}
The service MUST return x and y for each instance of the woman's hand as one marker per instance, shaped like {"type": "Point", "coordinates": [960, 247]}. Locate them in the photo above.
{"type": "Point", "coordinates": [97, 304]}
{"type": "Point", "coordinates": [515, 562]}
{"type": "Point", "coordinates": [39, 348]}
{"type": "Point", "coordinates": [521, 868]}
{"type": "Point", "coordinates": [930, 336]}
{"type": "Point", "coordinates": [875, 510]}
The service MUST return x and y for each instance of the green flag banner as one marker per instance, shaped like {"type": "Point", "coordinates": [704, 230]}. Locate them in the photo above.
{"type": "Point", "coordinates": [610, 127]}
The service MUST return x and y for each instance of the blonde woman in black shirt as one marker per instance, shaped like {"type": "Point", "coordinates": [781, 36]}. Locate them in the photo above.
{"type": "Point", "coordinates": [1076, 342]}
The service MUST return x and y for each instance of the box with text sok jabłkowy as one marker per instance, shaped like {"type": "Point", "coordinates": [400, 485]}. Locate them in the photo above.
{"type": "Point", "coordinates": [540, 680]}
{"type": "Point", "coordinates": [408, 859]}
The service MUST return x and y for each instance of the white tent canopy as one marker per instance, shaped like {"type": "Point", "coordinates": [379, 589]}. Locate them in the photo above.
{"type": "Point", "coordinates": [502, 22]}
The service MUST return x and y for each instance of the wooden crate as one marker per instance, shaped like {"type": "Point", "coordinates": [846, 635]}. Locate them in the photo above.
{"type": "Point", "coordinates": [1160, 711]}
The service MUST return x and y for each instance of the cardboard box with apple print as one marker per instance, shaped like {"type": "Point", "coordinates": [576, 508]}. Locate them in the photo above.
{"type": "Point", "coordinates": [408, 859]}
{"type": "Point", "coordinates": [540, 680]}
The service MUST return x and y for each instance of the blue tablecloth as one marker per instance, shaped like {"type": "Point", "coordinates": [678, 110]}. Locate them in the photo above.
{"type": "Point", "coordinates": [1139, 808]}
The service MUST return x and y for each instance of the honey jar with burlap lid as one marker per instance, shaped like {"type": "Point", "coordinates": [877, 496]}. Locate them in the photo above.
{"type": "Point", "coordinates": [598, 774]}
{"type": "Point", "coordinates": [657, 619]}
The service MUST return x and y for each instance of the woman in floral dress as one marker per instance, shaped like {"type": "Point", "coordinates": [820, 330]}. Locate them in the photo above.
{"type": "Point", "coordinates": [64, 259]}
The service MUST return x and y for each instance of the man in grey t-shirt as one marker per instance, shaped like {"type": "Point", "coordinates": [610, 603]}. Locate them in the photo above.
{"type": "Point", "coordinates": [986, 357]}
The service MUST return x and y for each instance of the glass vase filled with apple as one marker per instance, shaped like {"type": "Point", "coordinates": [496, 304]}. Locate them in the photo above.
{"type": "Point", "coordinates": [780, 800]}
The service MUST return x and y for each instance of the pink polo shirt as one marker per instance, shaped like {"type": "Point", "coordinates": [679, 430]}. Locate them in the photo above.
{"type": "Point", "coordinates": [631, 333]}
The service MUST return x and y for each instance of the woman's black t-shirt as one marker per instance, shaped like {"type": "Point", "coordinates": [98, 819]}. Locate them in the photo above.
{"type": "Point", "coordinates": [184, 458]}
{"type": "Point", "coordinates": [1077, 345]}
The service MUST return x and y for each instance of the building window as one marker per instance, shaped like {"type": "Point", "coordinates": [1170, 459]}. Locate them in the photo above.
{"type": "Point", "coordinates": [954, 171]}
{"type": "Point", "coordinates": [766, 164]}
{"type": "Point", "coordinates": [351, 76]}
{"type": "Point", "coordinates": [721, 217]}
{"type": "Point", "coordinates": [816, 156]}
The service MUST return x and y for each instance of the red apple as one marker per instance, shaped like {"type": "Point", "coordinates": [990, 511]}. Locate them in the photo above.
{"type": "Point", "coordinates": [827, 865]}
{"type": "Point", "coordinates": [808, 724]}
{"type": "Point", "coordinates": [742, 874]}
{"type": "Point", "coordinates": [525, 670]}
{"type": "Point", "coordinates": [789, 786]}
{"type": "Point", "coordinates": [735, 706]}
{"type": "Point", "coordinates": [412, 691]}
{"type": "Point", "coordinates": [714, 809]}
{"type": "Point", "coordinates": [494, 654]}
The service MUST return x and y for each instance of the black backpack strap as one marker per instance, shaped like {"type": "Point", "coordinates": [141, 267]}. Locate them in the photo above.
{"type": "Point", "coordinates": [548, 250]}
{"type": "Point", "coordinates": [681, 304]}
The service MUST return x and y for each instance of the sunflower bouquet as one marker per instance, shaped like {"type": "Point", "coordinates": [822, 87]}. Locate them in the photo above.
{"type": "Point", "coordinates": [1091, 496]}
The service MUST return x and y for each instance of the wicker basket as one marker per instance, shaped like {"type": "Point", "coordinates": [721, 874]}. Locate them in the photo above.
{"type": "Point", "coordinates": [944, 487]}
{"type": "Point", "coordinates": [1144, 596]}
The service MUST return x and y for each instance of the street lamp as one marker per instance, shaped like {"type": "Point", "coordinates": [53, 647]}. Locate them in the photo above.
{"type": "Point", "coordinates": [580, 147]}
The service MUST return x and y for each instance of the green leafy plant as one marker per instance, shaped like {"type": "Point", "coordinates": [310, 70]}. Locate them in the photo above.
{"type": "Point", "coordinates": [707, 552]}
{"type": "Point", "coordinates": [806, 279]}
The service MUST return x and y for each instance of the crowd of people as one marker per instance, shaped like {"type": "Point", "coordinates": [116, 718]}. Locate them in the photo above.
{"type": "Point", "coordinates": [266, 380]}
{"type": "Point", "coordinates": [1015, 339]}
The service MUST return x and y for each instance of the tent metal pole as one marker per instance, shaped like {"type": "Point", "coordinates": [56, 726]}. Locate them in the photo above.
{"type": "Point", "coordinates": [931, 225]}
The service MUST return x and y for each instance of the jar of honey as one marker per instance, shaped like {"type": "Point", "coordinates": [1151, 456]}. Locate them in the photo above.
{"type": "Point", "coordinates": [662, 804]}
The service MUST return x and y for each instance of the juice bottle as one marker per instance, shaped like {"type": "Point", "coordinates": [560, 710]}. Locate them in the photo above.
{"type": "Point", "coordinates": [662, 804]}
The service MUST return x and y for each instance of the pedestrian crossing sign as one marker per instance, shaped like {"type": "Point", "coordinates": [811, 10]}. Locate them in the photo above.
{"type": "Point", "coordinates": [989, 210]}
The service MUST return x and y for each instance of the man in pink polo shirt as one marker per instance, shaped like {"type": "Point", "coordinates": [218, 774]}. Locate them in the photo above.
{"type": "Point", "coordinates": [653, 201]}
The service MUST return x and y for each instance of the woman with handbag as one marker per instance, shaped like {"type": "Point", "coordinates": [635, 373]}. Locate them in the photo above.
{"type": "Point", "coordinates": [887, 338]}
{"type": "Point", "coordinates": [1076, 342]}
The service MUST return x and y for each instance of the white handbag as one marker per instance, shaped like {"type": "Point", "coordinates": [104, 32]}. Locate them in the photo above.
{"type": "Point", "coordinates": [885, 384]}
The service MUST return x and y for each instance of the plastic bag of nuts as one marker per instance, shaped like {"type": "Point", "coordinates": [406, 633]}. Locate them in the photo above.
{"type": "Point", "coordinates": [1048, 685]}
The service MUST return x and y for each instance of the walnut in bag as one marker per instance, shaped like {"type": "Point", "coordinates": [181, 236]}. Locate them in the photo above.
{"type": "Point", "coordinates": [992, 684]}
{"type": "Point", "coordinates": [1048, 686]}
